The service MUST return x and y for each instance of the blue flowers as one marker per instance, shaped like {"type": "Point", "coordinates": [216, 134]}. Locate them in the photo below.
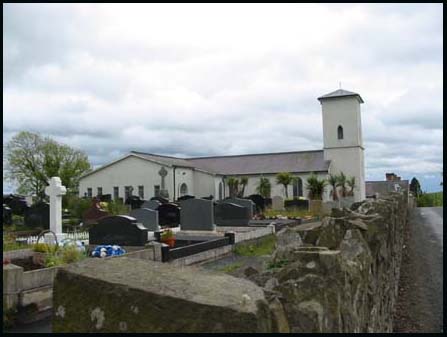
{"type": "Point", "coordinates": [108, 250]}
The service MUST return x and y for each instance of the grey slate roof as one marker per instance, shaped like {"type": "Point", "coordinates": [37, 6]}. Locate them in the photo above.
{"type": "Point", "coordinates": [383, 187]}
{"type": "Point", "coordinates": [341, 93]}
{"type": "Point", "coordinates": [166, 160]}
{"type": "Point", "coordinates": [303, 161]}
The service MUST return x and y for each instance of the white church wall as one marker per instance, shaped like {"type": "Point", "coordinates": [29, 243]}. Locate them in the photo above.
{"type": "Point", "coordinates": [184, 176]}
{"type": "Point", "coordinates": [204, 184]}
{"type": "Point", "coordinates": [131, 171]}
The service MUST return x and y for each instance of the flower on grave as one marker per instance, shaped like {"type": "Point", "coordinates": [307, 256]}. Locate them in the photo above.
{"type": "Point", "coordinates": [6, 261]}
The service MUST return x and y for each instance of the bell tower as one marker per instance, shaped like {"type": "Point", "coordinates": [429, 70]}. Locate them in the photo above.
{"type": "Point", "coordinates": [342, 136]}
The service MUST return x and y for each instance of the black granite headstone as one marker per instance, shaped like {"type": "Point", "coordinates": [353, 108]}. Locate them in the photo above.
{"type": "Point", "coordinates": [105, 197]}
{"type": "Point", "coordinates": [134, 201]}
{"type": "Point", "coordinates": [228, 214]}
{"type": "Point", "coordinates": [259, 201]}
{"type": "Point", "coordinates": [120, 230]}
{"type": "Point", "coordinates": [16, 203]}
{"type": "Point", "coordinates": [7, 215]}
{"type": "Point", "coordinates": [186, 197]}
{"type": "Point", "coordinates": [160, 199]}
{"type": "Point", "coordinates": [169, 215]}
{"type": "Point", "coordinates": [38, 215]}
{"type": "Point", "coordinates": [297, 203]}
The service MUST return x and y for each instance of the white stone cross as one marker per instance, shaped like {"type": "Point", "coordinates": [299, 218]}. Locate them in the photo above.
{"type": "Point", "coordinates": [55, 191]}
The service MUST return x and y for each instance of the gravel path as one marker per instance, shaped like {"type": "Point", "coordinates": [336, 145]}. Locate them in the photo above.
{"type": "Point", "coordinates": [420, 304]}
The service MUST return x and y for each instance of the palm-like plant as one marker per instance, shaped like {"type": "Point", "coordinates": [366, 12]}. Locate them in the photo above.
{"type": "Point", "coordinates": [351, 184]}
{"type": "Point", "coordinates": [243, 181]}
{"type": "Point", "coordinates": [333, 181]}
{"type": "Point", "coordinates": [342, 183]}
{"type": "Point", "coordinates": [315, 187]}
{"type": "Point", "coordinates": [264, 187]}
{"type": "Point", "coordinates": [285, 179]}
{"type": "Point", "coordinates": [233, 185]}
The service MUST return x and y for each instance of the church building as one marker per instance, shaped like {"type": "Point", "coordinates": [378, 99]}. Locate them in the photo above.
{"type": "Point", "coordinates": [148, 175]}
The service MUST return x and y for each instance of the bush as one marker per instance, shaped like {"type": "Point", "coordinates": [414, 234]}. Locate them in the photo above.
{"type": "Point", "coordinates": [71, 254]}
{"type": "Point", "coordinates": [430, 200]}
{"type": "Point", "coordinates": [117, 207]}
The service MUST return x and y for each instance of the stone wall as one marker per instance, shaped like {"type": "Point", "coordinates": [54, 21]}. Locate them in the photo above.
{"type": "Point", "coordinates": [341, 275]}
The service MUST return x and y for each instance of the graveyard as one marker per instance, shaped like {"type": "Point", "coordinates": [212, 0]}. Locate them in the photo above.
{"type": "Point", "coordinates": [206, 247]}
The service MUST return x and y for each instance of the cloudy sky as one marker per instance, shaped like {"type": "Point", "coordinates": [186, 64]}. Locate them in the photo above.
{"type": "Point", "coordinates": [198, 80]}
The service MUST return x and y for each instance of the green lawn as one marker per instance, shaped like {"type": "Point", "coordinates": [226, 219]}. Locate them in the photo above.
{"type": "Point", "coordinates": [264, 246]}
{"type": "Point", "coordinates": [430, 200]}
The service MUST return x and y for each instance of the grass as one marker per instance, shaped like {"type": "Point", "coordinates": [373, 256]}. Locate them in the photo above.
{"type": "Point", "coordinates": [9, 243]}
{"type": "Point", "coordinates": [231, 267]}
{"type": "Point", "coordinates": [430, 200]}
{"type": "Point", "coordinates": [264, 246]}
{"type": "Point", "coordinates": [291, 213]}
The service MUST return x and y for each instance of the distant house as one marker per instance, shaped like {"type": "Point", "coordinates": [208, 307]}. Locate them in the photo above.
{"type": "Point", "coordinates": [148, 175]}
{"type": "Point", "coordinates": [393, 183]}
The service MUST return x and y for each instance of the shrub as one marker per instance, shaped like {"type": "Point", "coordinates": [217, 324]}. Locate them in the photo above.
{"type": "Point", "coordinates": [116, 207]}
{"type": "Point", "coordinates": [71, 254]}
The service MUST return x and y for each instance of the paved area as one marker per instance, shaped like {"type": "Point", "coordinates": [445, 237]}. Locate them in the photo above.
{"type": "Point", "coordinates": [420, 303]}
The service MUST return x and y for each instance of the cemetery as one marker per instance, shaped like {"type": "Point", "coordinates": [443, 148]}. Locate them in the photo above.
{"type": "Point", "coordinates": [235, 240]}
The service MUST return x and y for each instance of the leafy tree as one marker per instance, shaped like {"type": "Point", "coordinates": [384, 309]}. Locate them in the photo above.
{"type": "Point", "coordinates": [333, 181]}
{"type": "Point", "coordinates": [264, 188]}
{"type": "Point", "coordinates": [31, 160]}
{"type": "Point", "coordinates": [243, 182]}
{"type": "Point", "coordinates": [285, 179]}
{"type": "Point", "coordinates": [342, 180]}
{"type": "Point", "coordinates": [415, 187]}
{"type": "Point", "coordinates": [316, 187]}
{"type": "Point", "coordinates": [351, 184]}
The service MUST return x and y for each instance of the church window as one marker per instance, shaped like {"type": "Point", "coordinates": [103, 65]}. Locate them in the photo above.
{"type": "Point", "coordinates": [298, 188]}
{"type": "Point", "coordinates": [99, 191]}
{"type": "Point", "coordinates": [89, 192]}
{"type": "Point", "coordinates": [141, 191]}
{"type": "Point", "coordinates": [220, 191]}
{"type": "Point", "coordinates": [340, 132]}
{"type": "Point", "coordinates": [127, 192]}
{"type": "Point", "coordinates": [156, 190]}
{"type": "Point", "coordinates": [183, 189]}
{"type": "Point", "coordinates": [116, 192]}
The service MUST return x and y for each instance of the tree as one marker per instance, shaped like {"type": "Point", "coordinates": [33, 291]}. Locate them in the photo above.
{"type": "Point", "coordinates": [342, 183]}
{"type": "Point", "coordinates": [333, 181]}
{"type": "Point", "coordinates": [415, 187]}
{"type": "Point", "coordinates": [243, 181]}
{"type": "Point", "coordinates": [285, 179]}
{"type": "Point", "coordinates": [233, 185]}
{"type": "Point", "coordinates": [264, 188]}
{"type": "Point", "coordinates": [351, 184]}
{"type": "Point", "coordinates": [31, 160]}
{"type": "Point", "coordinates": [316, 187]}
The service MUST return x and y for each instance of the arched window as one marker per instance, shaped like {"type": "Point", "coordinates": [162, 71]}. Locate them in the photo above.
{"type": "Point", "coordinates": [220, 191]}
{"type": "Point", "coordinates": [183, 189]}
{"type": "Point", "coordinates": [298, 188]}
{"type": "Point", "coordinates": [340, 132]}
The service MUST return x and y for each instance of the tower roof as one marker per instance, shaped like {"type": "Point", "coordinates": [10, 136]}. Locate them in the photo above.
{"type": "Point", "coordinates": [340, 93]}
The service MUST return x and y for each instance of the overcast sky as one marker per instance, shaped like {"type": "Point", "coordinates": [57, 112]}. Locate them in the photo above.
{"type": "Point", "coordinates": [221, 79]}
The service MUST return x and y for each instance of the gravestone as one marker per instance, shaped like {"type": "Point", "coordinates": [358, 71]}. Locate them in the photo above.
{"type": "Point", "coordinates": [278, 203]}
{"type": "Point", "coordinates": [197, 214]}
{"type": "Point", "coordinates": [268, 202]}
{"type": "Point", "coordinates": [17, 203]}
{"type": "Point", "coordinates": [186, 197]}
{"type": "Point", "coordinates": [163, 191]}
{"type": "Point", "coordinates": [148, 217]}
{"type": "Point", "coordinates": [121, 230]}
{"type": "Point", "coordinates": [7, 215]}
{"type": "Point", "coordinates": [228, 214]}
{"type": "Point", "coordinates": [208, 198]}
{"type": "Point", "coordinates": [105, 197]}
{"type": "Point", "coordinates": [169, 215]}
{"type": "Point", "coordinates": [94, 213]}
{"type": "Point", "coordinates": [151, 204]}
{"type": "Point", "coordinates": [38, 215]}
{"type": "Point", "coordinates": [297, 203]}
{"type": "Point", "coordinates": [55, 191]}
{"type": "Point", "coordinates": [161, 200]}
{"type": "Point", "coordinates": [134, 201]}
{"type": "Point", "coordinates": [249, 204]}
{"type": "Point", "coordinates": [259, 201]}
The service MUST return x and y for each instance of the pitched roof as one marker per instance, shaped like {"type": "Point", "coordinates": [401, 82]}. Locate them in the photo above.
{"type": "Point", "coordinates": [166, 160]}
{"type": "Point", "coordinates": [302, 161]}
{"type": "Point", "coordinates": [341, 93]}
